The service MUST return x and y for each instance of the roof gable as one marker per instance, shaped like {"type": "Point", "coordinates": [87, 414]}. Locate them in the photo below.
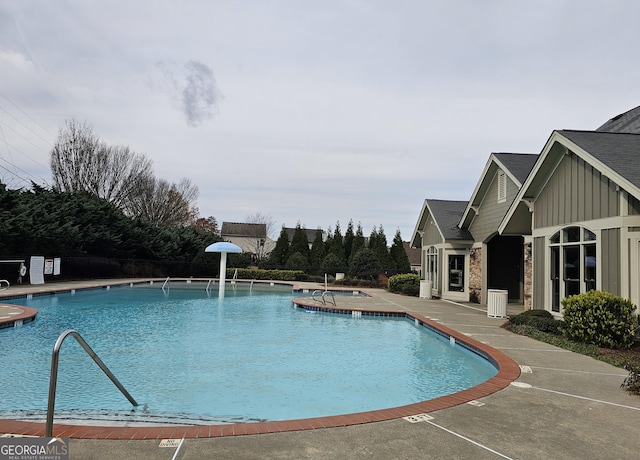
{"type": "Point", "coordinates": [446, 214]}
{"type": "Point", "coordinates": [517, 167]}
{"type": "Point", "coordinates": [615, 155]}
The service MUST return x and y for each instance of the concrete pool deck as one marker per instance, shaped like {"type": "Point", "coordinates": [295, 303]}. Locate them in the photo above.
{"type": "Point", "coordinates": [565, 405]}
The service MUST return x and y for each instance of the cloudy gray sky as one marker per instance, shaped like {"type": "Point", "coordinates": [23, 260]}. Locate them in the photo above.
{"type": "Point", "coordinates": [313, 111]}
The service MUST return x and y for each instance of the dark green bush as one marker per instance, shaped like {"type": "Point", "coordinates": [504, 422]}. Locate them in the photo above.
{"type": "Point", "coordinates": [540, 320]}
{"type": "Point", "coordinates": [409, 289]}
{"type": "Point", "coordinates": [600, 318]}
{"type": "Point", "coordinates": [408, 283]}
{"type": "Point", "coordinates": [536, 312]}
{"type": "Point", "coordinates": [260, 274]}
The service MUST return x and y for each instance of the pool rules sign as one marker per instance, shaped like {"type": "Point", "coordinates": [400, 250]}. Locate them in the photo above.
{"type": "Point", "coordinates": [28, 448]}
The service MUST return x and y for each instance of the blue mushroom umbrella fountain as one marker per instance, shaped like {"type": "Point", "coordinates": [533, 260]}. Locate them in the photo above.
{"type": "Point", "coordinates": [223, 247]}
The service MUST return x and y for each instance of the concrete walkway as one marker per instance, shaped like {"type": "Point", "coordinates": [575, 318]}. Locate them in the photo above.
{"type": "Point", "coordinates": [563, 406]}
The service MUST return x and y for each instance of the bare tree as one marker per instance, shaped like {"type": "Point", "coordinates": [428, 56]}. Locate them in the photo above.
{"type": "Point", "coordinates": [260, 218]}
{"type": "Point", "coordinates": [81, 162]}
{"type": "Point", "coordinates": [165, 204]}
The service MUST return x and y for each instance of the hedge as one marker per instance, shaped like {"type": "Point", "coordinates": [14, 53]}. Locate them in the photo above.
{"type": "Point", "coordinates": [260, 274]}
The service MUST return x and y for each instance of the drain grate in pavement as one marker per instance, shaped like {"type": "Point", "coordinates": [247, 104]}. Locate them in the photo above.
{"type": "Point", "coordinates": [418, 418]}
{"type": "Point", "coordinates": [476, 403]}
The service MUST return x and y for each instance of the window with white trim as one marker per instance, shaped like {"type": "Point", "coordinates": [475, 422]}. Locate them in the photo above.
{"type": "Point", "coordinates": [573, 263]}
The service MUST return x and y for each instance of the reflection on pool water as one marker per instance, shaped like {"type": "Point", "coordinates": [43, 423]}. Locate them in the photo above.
{"type": "Point", "coordinates": [192, 357]}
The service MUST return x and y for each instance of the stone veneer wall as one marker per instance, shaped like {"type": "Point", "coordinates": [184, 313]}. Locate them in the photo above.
{"type": "Point", "coordinates": [475, 275]}
{"type": "Point", "coordinates": [528, 277]}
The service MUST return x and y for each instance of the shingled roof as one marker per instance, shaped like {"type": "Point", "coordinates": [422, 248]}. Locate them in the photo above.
{"type": "Point", "coordinates": [243, 230]}
{"type": "Point", "coordinates": [627, 122]}
{"type": "Point", "coordinates": [518, 164]}
{"type": "Point", "coordinates": [620, 152]}
{"type": "Point", "coordinates": [447, 214]}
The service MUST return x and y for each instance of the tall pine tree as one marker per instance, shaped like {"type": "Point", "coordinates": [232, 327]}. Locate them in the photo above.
{"type": "Point", "coordinates": [278, 256]}
{"type": "Point", "coordinates": [348, 240]}
{"type": "Point", "coordinates": [399, 254]}
{"type": "Point", "coordinates": [299, 242]}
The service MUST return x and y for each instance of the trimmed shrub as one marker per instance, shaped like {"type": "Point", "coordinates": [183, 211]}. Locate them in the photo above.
{"type": "Point", "coordinates": [600, 318]}
{"type": "Point", "coordinates": [259, 274]}
{"type": "Point", "coordinates": [540, 320]}
{"type": "Point", "coordinates": [408, 283]}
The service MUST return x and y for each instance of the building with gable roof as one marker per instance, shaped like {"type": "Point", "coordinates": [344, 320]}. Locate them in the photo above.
{"type": "Point", "coordinates": [445, 248]}
{"type": "Point", "coordinates": [251, 238]}
{"type": "Point", "coordinates": [579, 211]}
{"type": "Point", "coordinates": [546, 226]}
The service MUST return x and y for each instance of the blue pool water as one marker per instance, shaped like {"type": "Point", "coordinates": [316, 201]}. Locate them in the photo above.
{"type": "Point", "coordinates": [190, 356]}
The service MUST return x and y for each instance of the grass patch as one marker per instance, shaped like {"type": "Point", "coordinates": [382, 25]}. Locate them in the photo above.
{"type": "Point", "coordinates": [618, 358]}
{"type": "Point", "coordinates": [541, 326]}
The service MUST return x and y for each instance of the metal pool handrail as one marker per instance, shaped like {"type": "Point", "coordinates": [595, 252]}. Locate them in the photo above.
{"type": "Point", "coordinates": [54, 375]}
{"type": "Point", "coordinates": [323, 294]}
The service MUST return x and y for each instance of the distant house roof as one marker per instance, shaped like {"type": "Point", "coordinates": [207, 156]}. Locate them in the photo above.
{"type": "Point", "coordinates": [627, 122]}
{"type": "Point", "coordinates": [237, 229]}
{"type": "Point", "coordinates": [311, 234]}
{"type": "Point", "coordinates": [414, 254]}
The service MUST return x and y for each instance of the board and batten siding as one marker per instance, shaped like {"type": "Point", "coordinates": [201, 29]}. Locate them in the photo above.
{"type": "Point", "coordinates": [633, 208]}
{"type": "Point", "coordinates": [575, 192]}
{"type": "Point", "coordinates": [610, 261]}
{"type": "Point", "coordinates": [490, 211]}
{"type": "Point", "coordinates": [540, 280]}
{"type": "Point", "coordinates": [431, 236]}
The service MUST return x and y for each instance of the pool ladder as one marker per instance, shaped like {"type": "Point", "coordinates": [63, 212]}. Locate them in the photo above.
{"type": "Point", "coordinates": [54, 375]}
{"type": "Point", "coordinates": [322, 298]}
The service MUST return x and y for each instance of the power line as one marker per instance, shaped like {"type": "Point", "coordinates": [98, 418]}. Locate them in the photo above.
{"type": "Point", "coordinates": [26, 114]}
{"type": "Point", "coordinates": [28, 140]}
{"type": "Point", "coordinates": [27, 127]}
{"type": "Point", "coordinates": [18, 150]}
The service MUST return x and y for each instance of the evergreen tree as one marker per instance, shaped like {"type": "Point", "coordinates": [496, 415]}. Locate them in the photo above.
{"type": "Point", "coordinates": [358, 242]}
{"type": "Point", "coordinates": [337, 245]}
{"type": "Point", "coordinates": [317, 254]}
{"type": "Point", "coordinates": [348, 240]}
{"type": "Point", "coordinates": [300, 243]}
{"type": "Point", "coordinates": [378, 244]}
{"type": "Point", "coordinates": [365, 264]}
{"type": "Point", "coordinates": [328, 242]}
{"type": "Point", "coordinates": [297, 261]}
{"type": "Point", "coordinates": [331, 264]}
{"type": "Point", "coordinates": [279, 255]}
{"type": "Point", "coordinates": [399, 254]}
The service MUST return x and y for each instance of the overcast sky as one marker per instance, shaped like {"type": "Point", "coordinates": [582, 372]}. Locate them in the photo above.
{"type": "Point", "coordinates": [312, 111]}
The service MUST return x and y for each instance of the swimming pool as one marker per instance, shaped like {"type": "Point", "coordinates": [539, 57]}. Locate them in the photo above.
{"type": "Point", "coordinates": [173, 352]}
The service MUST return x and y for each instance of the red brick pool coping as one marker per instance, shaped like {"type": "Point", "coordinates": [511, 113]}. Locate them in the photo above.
{"type": "Point", "coordinates": [508, 371]}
